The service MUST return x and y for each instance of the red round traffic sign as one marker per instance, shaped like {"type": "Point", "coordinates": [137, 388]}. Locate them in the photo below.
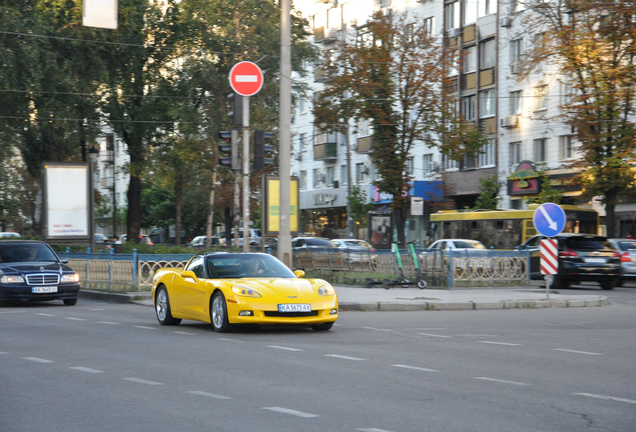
{"type": "Point", "coordinates": [246, 78]}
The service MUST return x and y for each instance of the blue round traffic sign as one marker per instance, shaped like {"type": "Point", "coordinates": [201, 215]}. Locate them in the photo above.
{"type": "Point", "coordinates": [549, 219]}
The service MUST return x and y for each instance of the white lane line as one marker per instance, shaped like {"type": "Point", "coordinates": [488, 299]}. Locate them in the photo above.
{"type": "Point", "coordinates": [344, 357]}
{"type": "Point", "coordinates": [500, 381]}
{"type": "Point", "coordinates": [499, 343]}
{"type": "Point", "coordinates": [145, 328]}
{"type": "Point", "coordinates": [372, 430]}
{"type": "Point", "coordinates": [576, 352]}
{"type": "Point", "coordinates": [416, 368]}
{"type": "Point", "coordinates": [183, 333]}
{"type": "Point", "coordinates": [224, 339]}
{"type": "Point", "coordinates": [96, 309]}
{"type": "Point", "coordinates": [44, 314]}
{"type": "Point", "coordinates": [142, 381]}
{"type": "Point", "coordinates": [37, 360]}
{"type": "Point", "coordinates": [107, 322]}
{"type": "Point", "coordinates": [377, 329]}
{"type": "Point", "coordinates": [210, 395]}
{"type": "Point", "coordinates": [291, 412]}
{"type": "Point", "coordinates": [284, 348]}
{"type": "Point", "coordinates": [606, 397]}
{"type": "Point", "coordinates": [434, 335]}
{"type": "Point", "coordinates": [85, 369]}
{"type": "Point", "coordinates": [74, 319]}
{"type": "Point", "coordinates": [12, 312]}
{"type": "Point", "coordinates": [2, 352]}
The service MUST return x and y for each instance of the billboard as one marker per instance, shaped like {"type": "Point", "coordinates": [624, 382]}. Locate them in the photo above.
{"type": "Point", "coordinates": [271, 205]}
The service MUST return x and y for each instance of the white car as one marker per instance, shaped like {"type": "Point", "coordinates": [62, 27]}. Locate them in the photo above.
{"type": "Point", "coordinates": [431, 256]}
{"type": "Point", "coordinates": [199, 241]}
{"type": "Point", "coordinates": [9, 235]}
{"type": "Point", "coordinates": [358, 251]}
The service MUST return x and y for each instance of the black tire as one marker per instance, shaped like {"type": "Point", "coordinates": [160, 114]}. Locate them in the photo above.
{"type": "Point", "coordinates": [369, 282]}
{"type": "Point", "coordinates": [620, 282]}
{"type": "Point", "coordinates": [323, 327]}
{"type": "Point", "coordinates": [386, 283]}
{"type": "Point", "coordinates": [608, 285]}
{"type": "Point", "coordinates": [421, 284]}
{"type": "Point", "coordinates": [405, 283]}
{"type": "Point", "coordinates": [218, 313]}
{"type": "Point", "coordinates": [162, 308]}
{"type": "Point", "coordinates": [70, 302]}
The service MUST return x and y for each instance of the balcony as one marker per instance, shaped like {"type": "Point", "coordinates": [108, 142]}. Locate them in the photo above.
{"type": "Point", "coordinates": [365, 145]}
{"type": "Point", "coordinates": [325, 35]}
{"type": "Point", "coordinates": [320, 75]}
{"type": "Point", "coordinates": [326, 151]}
{"type": "Point", "coordinates": [107, 182]}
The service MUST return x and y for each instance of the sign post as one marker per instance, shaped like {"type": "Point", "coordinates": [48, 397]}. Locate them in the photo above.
{"type": "Point", "coordinates": [549, 220]}
{"type": "Point", "coordinates": [246, 79]}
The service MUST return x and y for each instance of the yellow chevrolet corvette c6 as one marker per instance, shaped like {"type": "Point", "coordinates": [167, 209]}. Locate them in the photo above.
{"type": "Point", "coordinates": [242, 288]}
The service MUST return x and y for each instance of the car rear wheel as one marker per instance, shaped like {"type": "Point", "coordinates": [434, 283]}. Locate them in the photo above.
{"type": "Point", "coordinates": [162, 308]}
{"type": "Point", "coordinates": [620, 283]}
{"type": "Point", "coordinates": [70, 302]}
{"type": "Point", "coordinates": [323, 327]}
{"type": "Point", "coordinates": [218, 313]}
{"type": "Point", "coordinates": [608, 285]}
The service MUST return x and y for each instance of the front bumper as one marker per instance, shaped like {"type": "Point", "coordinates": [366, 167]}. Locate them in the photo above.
{"type": "Point", "coordinates": [267, 313]}
{"type": "Point", "coordinates": [25, 293]}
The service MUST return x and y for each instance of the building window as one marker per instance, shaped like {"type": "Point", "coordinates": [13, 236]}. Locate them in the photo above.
{"type": "Point", "coordinates": [468, 107]}
{"type": "Point", "coordinates": [302, 107]}
{"type": "Point", "coordinates": [515, 102]}
{"type": "Point", "coordinates": [429, 26]}
{"type": "Point", "coordinates": [487, 7]}
{"type": "Point", "coordinates": [515, 51]}
{"type": "Point", "coordinates": [316, 177]}
{"type": "Point", "coordinates": [487, 55]}
{"type": "Point", "coordinates": [565, 146]}
{"type": "Point", "coordinates": [518, 5]}
{"type": "Point", "coordinates": [364, 128]}
{"type": "Point", "coordinates": [303, 141]}
{"type": "Point", "coordinates": [540, 150]}
{"type": "Point", "coordinates": [487, 155]}
{"type": "Point", "coordinates": [303, 179]}
{"type": "Point", "coordinates": [428, 163]}
{"type": "Point", "coordinates": [515, 153]}
{"type": "Point", "coordinates": [470, 12]}
{"type": "Point", "coordinates": [566, 93]}
{"type": "Point", "coordinates": [450, 164]}
{"type": "Point", "coordinates": [409, 166]}
{"type": "Point", "coordinates": [451, 15]}
{"type": "Point", "coordinates": [540, 97]}
{"type": "Point", "coordinates": [470, 59]}
{"type": "Point", "coordinates": [344, 177]}
{"type": "Point", "coordinates": [359, 169]}
{"type": "Point", "coordinates": [330, 176]}
{"type": "Point", "coordinates": [487, 103]}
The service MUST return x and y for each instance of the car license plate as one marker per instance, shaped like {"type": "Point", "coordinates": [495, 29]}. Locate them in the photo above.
{"type": "Point", "coordinates": [49, 289]}
{"type": "Point", "coordinates": [595, 260]}
{"type": "Point", "coordinates": [294, 308]}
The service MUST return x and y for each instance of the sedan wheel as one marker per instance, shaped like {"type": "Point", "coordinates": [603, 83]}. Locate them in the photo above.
{"type": "Point", "coordinates": [70, 302]}
{"type": "Point", "coordinates": [608, 285]}
{"type": "Point", "coordinates": [162, 308]}
{"type": "Point", "coordinates": [218, 313]}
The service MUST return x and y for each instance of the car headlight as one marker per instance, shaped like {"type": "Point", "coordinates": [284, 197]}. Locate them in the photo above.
{"type": "Point", "coordinates": [240, 290]}
{"type": "Point", "coordinates": [326, 290]}
{"type": "Point", "coordinates": [73, 277]}
{"type": "Point", "coordinates": [11, 279]}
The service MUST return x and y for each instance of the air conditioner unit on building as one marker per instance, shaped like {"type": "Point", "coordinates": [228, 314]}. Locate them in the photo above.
{"type": "Point", "coordinates": [364, 169]}
{"type": "Point", "coordinates": [505, 22]}
{"type": "Point", "coordinates": [323, 178]}
{"type": "Point", "coordinates": [509, 122]}
{"type": "Point", "coordinates": [436, 167]}
{"type": "Point", "coordinates": [453, 33]}
{"type": "Point", "coordinates": [298, 156]}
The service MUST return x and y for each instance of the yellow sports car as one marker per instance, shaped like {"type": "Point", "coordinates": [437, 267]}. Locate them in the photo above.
{"type": "Point", "coordinates": [242, 288]}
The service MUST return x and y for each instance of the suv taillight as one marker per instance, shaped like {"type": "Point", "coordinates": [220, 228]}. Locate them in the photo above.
{"type": "Point", "coordinates": [625, 257]}
{"type": "Point", "coordinates": [568, 253]}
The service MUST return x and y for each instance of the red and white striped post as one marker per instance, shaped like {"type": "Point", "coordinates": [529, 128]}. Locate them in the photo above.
{"type": "Point", "coordinates": [549, 261]}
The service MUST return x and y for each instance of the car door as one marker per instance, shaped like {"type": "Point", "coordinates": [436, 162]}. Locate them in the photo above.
{"type": "Point", "coordinates": [533, 244]}
{"type": "Point", "coordinates": [189, 294]}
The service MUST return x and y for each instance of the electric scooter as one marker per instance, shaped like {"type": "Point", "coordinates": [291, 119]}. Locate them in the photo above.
{"type": "Point", "coordinates": [401, 279]}
{"type": "Point", "coordinates": [419, 279]}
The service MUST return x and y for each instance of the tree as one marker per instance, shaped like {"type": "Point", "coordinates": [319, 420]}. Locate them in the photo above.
{"type": "Point", "coordinates": [393, 72]}
{"type": "Point", "coordinates": [592, 43]}
{"type": "Point", "coordinates": [488, 191]}
{"type": "Point", "coordinates": [547, 193]}
{"type": "Point", "coordinates": [359, 207]}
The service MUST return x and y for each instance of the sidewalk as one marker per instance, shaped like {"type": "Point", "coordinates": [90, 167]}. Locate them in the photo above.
{"type": "Point", "coordinates": [413, 299]}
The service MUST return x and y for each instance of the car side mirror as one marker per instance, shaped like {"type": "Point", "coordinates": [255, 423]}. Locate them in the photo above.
{"type": "Point", "coordinates": [189, 275]}
{"type": "Point", "coordinates": [64, 260]}
{"type": "Point", "coordinates": [299, 273]}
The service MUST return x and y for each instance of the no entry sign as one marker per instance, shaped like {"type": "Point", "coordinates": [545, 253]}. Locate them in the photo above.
{"type": "Point", "coordinates": [549, 257]}
{"type": "Point", "coordinates": [246, 78]}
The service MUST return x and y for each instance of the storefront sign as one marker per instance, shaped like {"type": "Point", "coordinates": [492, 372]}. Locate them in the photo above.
{"type": "Point", "coordinates": [324, 198]}
{"type": "Point", "coordinates": [417, 206]}
{"type": "Point", "coordinates": [525, 181]}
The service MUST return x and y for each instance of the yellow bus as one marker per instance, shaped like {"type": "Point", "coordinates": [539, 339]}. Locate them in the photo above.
{"type": "Point", "coordinates": [504, 229]}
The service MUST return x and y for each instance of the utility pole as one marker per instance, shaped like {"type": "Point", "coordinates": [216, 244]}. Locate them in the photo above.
{"type": "Point", "coordinates": [350, 222]}
{"type": "Point", "coordinates": [284, 231]}
{"type": "Point", "coordinates": [246, 173]}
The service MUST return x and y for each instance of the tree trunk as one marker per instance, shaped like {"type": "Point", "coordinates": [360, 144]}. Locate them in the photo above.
{"type": "Point", "coordinates": [208, 231]}
{"type": "Point", "coordinates": [133, 217]}
{"type": "Point", "coordinates": [399, 214]}
{"type": "Point", "coordinates": [178, 198]}
{"type": "Point", "coordinates": [610, 212]}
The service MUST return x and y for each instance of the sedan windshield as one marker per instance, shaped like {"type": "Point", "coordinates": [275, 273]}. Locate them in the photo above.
{"type": "Point", "coordinates": [469, 245]}
{"type": "Point", "coordinates": [246, 266]}
{"type": "Point", "coordinates": [26, 253]}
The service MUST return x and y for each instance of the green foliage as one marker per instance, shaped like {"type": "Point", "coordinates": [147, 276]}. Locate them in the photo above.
{"type": "Point", "coordinates": [359, 207]}
{"type": "Point", "coordinates": [488, 194]}
{"type": "Point", "coordinates": [547, 193]}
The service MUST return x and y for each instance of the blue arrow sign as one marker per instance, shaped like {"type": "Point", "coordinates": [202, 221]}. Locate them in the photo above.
{"type": "Point", "coordinates": [549, 219]}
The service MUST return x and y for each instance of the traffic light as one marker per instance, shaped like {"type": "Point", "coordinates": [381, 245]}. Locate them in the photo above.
{"type": "Point", "coordinates": [237, 109]}
{"type": "Point", "coordinates": [261, 149]}
{"type": "Point", "coordinates": [230, 148]}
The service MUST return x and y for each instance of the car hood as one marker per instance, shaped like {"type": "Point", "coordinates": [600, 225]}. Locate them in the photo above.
{"type": "Point", "coordinates": [282, 286]}
{"type": "Point", "coordinates": [33, 267]}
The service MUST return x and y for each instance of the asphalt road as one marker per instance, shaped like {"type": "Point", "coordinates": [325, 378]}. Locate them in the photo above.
{"type": "Point", "coordinates": [108, 367]}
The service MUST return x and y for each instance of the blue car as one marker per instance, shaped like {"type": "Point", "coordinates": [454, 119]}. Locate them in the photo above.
{"type": "Point", "coordinates": [31, 271]}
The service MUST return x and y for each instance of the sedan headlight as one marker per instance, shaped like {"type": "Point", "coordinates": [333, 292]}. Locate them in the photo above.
{"type": "Point", "coordinates": [240, 290]}
{"type": "Point", "coordinates": [70, 278]}
{"type": "Point", "coordinates": [326, 290]}
{"type": "Point", "coordinates": [11, 279]}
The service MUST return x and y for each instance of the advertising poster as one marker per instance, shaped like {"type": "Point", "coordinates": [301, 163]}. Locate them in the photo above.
{"type": "Point", "coordinates": [381, 231]}
{"type": "Point", "coordinates": [271, 207]}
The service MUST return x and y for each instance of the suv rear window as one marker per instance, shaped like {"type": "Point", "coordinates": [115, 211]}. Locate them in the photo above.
{"type": "Point", "coordinates": [587, 243]}
{"type": "Point", "coordinates": [318, 242]}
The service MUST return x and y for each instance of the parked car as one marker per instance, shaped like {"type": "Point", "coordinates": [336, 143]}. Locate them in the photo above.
{"type": "Point", "coordinates": [627, 250]}
{"type": "Point", "coordinates": [255, 237]}
{"type": "Point", "coordinates": [9, 235]}
{"type": "Point", "coordinates": [357, 251]}
{"type": "Point", "coordinates": [582, 257]}
{"type": "Point", "coordinates": [200, 241]}
{"type": "Point", "coordinates": [101, 239]}
{"type": "Point", "coordinates": [304, 243]}
{"type": "Point", "coordinates": [436, 256]}
{"type": "Point", "coordinates": [31, 271]}
{"type": "Point", "coordinates": [143, 239]}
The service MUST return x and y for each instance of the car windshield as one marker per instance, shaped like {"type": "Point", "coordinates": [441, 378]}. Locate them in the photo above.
{"type": "Point", "coordinates": [469, 245]}
{"type": "Point", "coordinates": [357, 243]}
{"type": "Point", "coordinates": [318, 242]}
{"type": "Point", "coordinates": [246, 266]}
{"type": "Point", "coordinates": [588, 243]}
{"type": "Point", "coordinates": [628, 246]}
{"type": "Point", "coordinates": [26, 253]}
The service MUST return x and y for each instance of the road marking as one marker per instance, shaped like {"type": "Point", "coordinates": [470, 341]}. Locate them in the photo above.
{"type": "Point", "coordinates": [377, 329]}
{"type": "Point", "coordinates": [434, 335]}
{"type": "Point", "coordinates": [74, 319]}
{"type": "Point", "coordinates": [141, 381]}
{"type": "Point", "coordinates": [499, 343]}
{"type": "Point", "coordinates": [145, 328]}
{"type": "Point", "coordinates": [416, 368]}
{"type": "Point", "coordinates": [210, 395]}
{"type": "Point", "coordinates": [224, 339]}
{"type": "Point", "coordinates": [107, 322]}
{"type": "Point", "coordinates": [500, 381]}
{"type": "Point", "coordinates": [84, 369]}
{"type": "Point", "coordinates": [576, 352]}
{"type": "Point", "coordinates": [38, 360]}
{"type": "Point", "coordinates": [606, 397]}
{"type": "Point", "coordinates": [183, 333]}
{"type": "Point", "coordinates": [2, 352]}
{"type": "Point", "coordinates": [344, 357]}
{"type": "Point", "coordinates": [96, 309]}
{"type": "Point", "coordinates": [12, 312]}
{"type": "Point", "coordinates": [291, 412]}
{"type": "Point", "coordinates": [284, 348]}
{"type": "Point", "coordinates": [44, 314]}
{"type": "Point", "coordinates": [372, 430]}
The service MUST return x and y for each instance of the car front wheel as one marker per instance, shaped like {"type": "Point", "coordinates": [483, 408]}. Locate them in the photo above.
{"type": "Point", "coordinates": [608, 285]}
{"type": "Point", "coordinates": [70, 302]}
{"type": "Point", "coordinates": [218, 313]}
{"type": "Point", "coordinates": [162, 308]}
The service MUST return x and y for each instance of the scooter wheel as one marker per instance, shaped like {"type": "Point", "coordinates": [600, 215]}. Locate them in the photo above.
{"type": "Point", "coordinates": [386, 283]}
{"type": "Point", "coordinates": [369, 282]}
{"type": "Point", "coordinates": [405, 283]}
{"type": "Point", "coordinates": [421, 284]}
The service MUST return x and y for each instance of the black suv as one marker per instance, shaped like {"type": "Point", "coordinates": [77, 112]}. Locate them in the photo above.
{"type": "Point", "coordinates": [582, 257]}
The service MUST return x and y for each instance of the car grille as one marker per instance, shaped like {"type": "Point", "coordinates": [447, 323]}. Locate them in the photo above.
{"type": "Point", "coordinates": [290, 314]}
{"type": "Point", "coordinates": [43, 279]}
